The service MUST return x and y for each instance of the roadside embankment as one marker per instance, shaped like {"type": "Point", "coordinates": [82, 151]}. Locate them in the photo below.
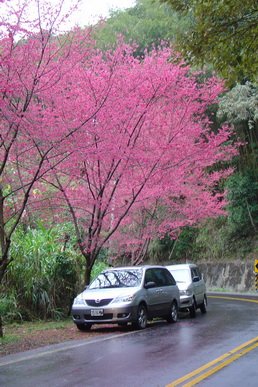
{"type": "Point", "coordinates": [238, 276]}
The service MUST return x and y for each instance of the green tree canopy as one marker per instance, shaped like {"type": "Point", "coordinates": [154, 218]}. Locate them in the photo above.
{"type": "Point", "coordinates": [239, 108]}
{"type": "Point", "coordinates": [223, 33]}
{"type": "Point", "coordinates": [147, 24]}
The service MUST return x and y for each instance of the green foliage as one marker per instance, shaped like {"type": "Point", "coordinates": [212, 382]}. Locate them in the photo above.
{"type": "Point", "coordinates": [98, 267]}
{"type": "Point", "coordinates": [223, 33]}
{"type": "Point", "coordinates": [239, 108]}
{"type": "Point", "coordinates": [183, 248]}
{"type": "Point", "coordinates": [45, 273]}
{"type": "Point", "coordinates": [243, 204]}
{"type": "Point", "coordinates": [8, 339]}
{"type": "Point", "coordinates": [240, 105]}
{"type": "Point", "coordinates": [9, 309]}
{"type": "Point", "coordinates": [159, 249]}
{"type": "Point", "coordinates": [147, 24]}
{"type": "Point", "coordinates": [212, 241]}
{"type": "Point", "coordinates": [167, 249]}
{"type": "Point", "coordinates": [224, 238]}
{"type": "Point", "coordinates": [216, 241]}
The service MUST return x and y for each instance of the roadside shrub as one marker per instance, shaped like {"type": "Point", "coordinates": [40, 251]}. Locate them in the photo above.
{"type": "Point", "coordinates": [43, 276]}
{"type": "Point", "coordinates": [184, 247]}
{"type": "Point", "coordinates": [212, 240]}
{"type": "Point", "coordinates": [159, 250]}
{"type": "Point", "coordinates": [9, 310]}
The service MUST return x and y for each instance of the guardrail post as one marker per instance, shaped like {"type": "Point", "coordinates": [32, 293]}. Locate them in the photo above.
{"type": "Point", "coordinates": [256, 273]}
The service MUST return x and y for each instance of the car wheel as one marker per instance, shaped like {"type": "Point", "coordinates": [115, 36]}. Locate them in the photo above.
{"type": "Point", "coordinates": [84, 327]}
{"type": "Point", "coordinates": [203, 306]}
{"type": "Point", "coordinates": [173, 316]}
{"type": "Point", "coordinates": [141, 321]}
{"type": "Point", "coordinates": [192, 309]}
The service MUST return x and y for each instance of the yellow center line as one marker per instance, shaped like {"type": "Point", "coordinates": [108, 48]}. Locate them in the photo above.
{"type": "Point", "coordinates": [220, 366]}
{"type": "Point", "coordinates": [213, 362]}
{"type": "Point", "coordinates": [220, 362]}
{"type": "Point", "coordinates": [235, 298]}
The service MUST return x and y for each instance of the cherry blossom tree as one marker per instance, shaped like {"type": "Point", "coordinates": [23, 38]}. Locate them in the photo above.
{"type": "Point", "coordinates": [102, 136]}
{"type": "Point", "coordinates": [33, 65]}
{"type": "Point", "coordinates": [150, 144]}
{"type": "Point", "coordinates": [37, 118]}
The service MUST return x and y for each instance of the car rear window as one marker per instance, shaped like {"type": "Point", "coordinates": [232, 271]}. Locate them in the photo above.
{"type": "Point", "coordinates": [181, 275]}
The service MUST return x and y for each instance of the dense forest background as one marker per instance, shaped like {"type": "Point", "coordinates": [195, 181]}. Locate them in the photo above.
{"type": "Point", "coordinates": [215, 37]}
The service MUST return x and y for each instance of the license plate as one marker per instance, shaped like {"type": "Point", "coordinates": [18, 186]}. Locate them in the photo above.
{"type": "Point", "coordinates": [96, 312]}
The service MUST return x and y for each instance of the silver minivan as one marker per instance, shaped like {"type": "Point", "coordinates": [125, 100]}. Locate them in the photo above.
{"type": "Point", "coordinates": [191, 286]}
{"type": "Point", "coordinates": [132, 294]}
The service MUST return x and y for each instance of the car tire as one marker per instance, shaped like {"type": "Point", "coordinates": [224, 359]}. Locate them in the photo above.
{"type": "Point", "coordinates": [141, 319]}
{"type": "Point", "coordinates": [84, 327]}
{"type": "Point", "coordinates": [203, 306]}
{"type": "Point", "coordinates": [173, 316]}
{"type": "Point", "coordinates": [192, 309]}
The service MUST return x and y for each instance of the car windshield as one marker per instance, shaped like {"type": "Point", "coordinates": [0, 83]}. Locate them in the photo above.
{"type": "Point", "coordinates": [181, 275]}
{"type": "Point", "coordinates": [118, 279]}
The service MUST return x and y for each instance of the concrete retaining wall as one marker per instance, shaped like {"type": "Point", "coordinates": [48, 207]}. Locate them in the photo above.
{"type": "Point", "coordinates": [236, 276]}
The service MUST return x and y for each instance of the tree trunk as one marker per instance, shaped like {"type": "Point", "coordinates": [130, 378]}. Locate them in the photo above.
{"type": "Point", "coordinates": [4, 242]}
{"type": "Point", "coordinates": [2, 234]}
{"type": "Point", "coordinates": [2, 249]}
{"type": "Point", "coordinates": [250, 216]}
{"type": "Point", "coordinates": [172, 250]}
{"type": "Point", "coordinates": [88, 269]}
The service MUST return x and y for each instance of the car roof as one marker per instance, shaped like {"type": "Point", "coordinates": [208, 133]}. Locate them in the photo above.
{"type": "Point", "coordinates": [181, 266]}
{"type": "Point", "coordinates": [134, 267]}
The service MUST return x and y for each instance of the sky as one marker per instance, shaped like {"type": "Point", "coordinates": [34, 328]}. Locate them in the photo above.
{"type": "Point", "coordinates": [90, 11]}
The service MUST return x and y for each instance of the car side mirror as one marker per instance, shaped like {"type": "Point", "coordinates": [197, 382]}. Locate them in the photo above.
{"type": "Point", "coordinates": [150, 284]}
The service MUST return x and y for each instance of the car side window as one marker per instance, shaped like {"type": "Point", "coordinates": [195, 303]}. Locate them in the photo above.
{"type": "Point", "coordinates": [164, 278]}
{"type": "Point", "coordinates": [161, 280]}
{"type": "Point", "coordinates": [192, 273]}
{"type": "Point", "coordinates": [169, 277]}
{"type": "Point", "coordinates": [150, 276]}
{"type": "Point", "coordinates": [198, 273]}
{"type": "Point", "coordinates": [195, 273]}
{"type": "Point", "coordinates": [160, 276]}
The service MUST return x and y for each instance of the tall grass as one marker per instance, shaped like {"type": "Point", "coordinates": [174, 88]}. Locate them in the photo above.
{"type": "Point", "coordinates": [43, 277]}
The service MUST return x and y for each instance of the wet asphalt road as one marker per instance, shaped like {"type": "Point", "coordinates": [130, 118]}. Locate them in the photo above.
{"type": "Point", "coordinates": [154, 357]}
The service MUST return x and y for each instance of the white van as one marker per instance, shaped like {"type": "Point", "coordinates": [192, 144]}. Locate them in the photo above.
{"type": "Point", "coordinates": [191, 286]}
